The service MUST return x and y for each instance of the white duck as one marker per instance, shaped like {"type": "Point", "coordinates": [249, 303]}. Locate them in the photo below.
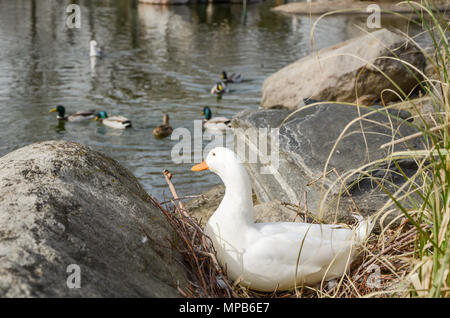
{"type": "Point", "coordinates": [263, 256]}
{"type": "Point", "coordinates": [95, 50]}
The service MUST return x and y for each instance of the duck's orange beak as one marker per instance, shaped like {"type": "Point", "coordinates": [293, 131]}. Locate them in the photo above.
{"type": "Point", "coordinates": [201, 166]}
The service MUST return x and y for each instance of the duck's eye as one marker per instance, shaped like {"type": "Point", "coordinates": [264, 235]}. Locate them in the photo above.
{"type": "Point", "coordinates": [213, 154]}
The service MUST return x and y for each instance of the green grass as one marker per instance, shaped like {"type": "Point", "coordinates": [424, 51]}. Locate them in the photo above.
{"type": "Point", "coordinates": [429, 187]}
{"type": "Point", "coordinates": [424, 198]}
{"type": "Point", "coordinates": [420, 266]}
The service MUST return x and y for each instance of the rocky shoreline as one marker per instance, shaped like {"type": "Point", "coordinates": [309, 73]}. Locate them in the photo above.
{"type": "Point", "coordinates": [63, 204]}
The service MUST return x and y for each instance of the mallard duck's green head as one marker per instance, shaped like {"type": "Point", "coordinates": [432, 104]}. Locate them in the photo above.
{"type": "Point", "coordinates": [59, 109]}
{"type": "Point", "coordinates": [101, 115]}
{"type": "Point", "coordinates": [224, 75]}
{"type": "Point", "coordinates": [207, 113]}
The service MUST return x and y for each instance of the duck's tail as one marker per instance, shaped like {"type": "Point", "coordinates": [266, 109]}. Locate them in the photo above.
{"type": "Point", "coordinates": [364, 228]}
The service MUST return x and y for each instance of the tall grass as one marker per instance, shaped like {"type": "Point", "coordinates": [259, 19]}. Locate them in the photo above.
{"type": "Point", "coordinates": [426, 204]}
{"type": "Point", "coordinates": [419, 266]}
{"type": "Point", "coordinates": [424, 198]}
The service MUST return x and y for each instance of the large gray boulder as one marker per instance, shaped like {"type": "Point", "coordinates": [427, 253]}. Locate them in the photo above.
{"type": "Point", "coordinates": [62, 203]}
{"type": "Point", "coordinates": [335, 73]}
{"type": "Point", "coordinates": [305, 142]}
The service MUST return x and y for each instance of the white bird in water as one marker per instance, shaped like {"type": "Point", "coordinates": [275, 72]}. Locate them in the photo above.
{"type": "Point", "coordinates": [277, 255]}
{"type": "Point", "coordinates": [95, 51]}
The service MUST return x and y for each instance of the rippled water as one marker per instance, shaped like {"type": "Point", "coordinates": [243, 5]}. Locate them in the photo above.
{"type": "Point", "coordinates": [159, 59]}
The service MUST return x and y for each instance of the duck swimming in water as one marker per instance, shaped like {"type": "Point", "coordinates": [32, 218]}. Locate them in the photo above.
{"type": "Point", "coordinates": [233, 78]}
{"type": "Point", "coordinates": [95, 50]}
{"type": "Point", "coordinates": [163, 130]}
{"type": "Point", "coordinates": [78, 116]}
{"type": "Point", "coordinates": [276, 255]}
{"type": "Point", "coordinates": [117, 122]}
{"type": "Point", "coordinates": [214, 123]}
{"type": "Point", "coordinates": [219, 89]}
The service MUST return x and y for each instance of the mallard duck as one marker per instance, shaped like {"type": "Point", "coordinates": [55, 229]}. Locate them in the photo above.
{"type": "Point", "coordinates": [95, 51]}
{"type": "Point", "coordinates": [216, 123]}
{"type": "Point", "coordinates": [219, 89]}
{"type": "Point", "coordinates": [233, 78]}
{"type": "Point", "coordinates": [78, 116]}
{"type": "Point", "coordinates": [117, 122]}
{"type": "Point", "coordinates": [163, 130]}
{"type": "Point", "coordinates": [277, 255]}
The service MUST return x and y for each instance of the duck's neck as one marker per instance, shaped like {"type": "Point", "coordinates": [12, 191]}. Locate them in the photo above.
{"type": "Point", "coordinates": [237, 204]}
{"type": "Point", "coordinates": [94, 50]}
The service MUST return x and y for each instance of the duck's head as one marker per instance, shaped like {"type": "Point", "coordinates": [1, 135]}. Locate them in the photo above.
{"type": "Point", "coordinates": [101, 115]}
{"type": "Point", "coordinates": [93, 43]}
{"type": "Point", "coordinates": [220, 86]}
{"type": "Point", "coordinates": [219, 161]}
{"type": "Point", "coordinates": [228, 166]}
{"type": "Point", "coordinates": [166, 119]}
{"type": "Point", "coordinates": [224, 75]}
{"type": "Point", "coordinates": [207, 113]}
{"type": "Point", "coordinates": [59, 109]}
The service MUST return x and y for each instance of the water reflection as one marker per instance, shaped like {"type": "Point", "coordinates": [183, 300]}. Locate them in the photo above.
{"type": "Point", "coordinates": [105, 131]}
{"type": "Point", "coordinates": [93, 64]}
{"type": "Point", "coordinates": [60, 127]}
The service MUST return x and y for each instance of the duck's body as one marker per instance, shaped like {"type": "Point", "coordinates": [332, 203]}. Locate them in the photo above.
{"type": "Point", "coordinates": [214, 123]}
{"type": "Point", "coordinates": [233, 78]}
{"type": "Point", "coordinates": [116, 122]}
{"type": "Point", "coordinates": [95, 50]}
{"type": "Point", "coordinates": [219, 89]}
{"type": "Point", "coordinates": [78, 116]}
{"type": "Point", "coordinates": [264, 256]}
{"type": "Point", "coordinates": [164, 130]}
{"type": "Point", "coordinates": [217, 123]}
